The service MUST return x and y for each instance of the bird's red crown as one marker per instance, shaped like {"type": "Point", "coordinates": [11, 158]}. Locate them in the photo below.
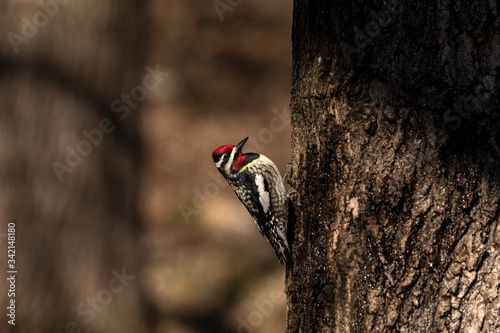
{"type": "Point", "coordinates": [223, 149]}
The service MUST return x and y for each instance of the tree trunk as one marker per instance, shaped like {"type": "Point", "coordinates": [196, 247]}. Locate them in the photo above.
{"type": "Point", "coordinates": [396, 163]}
{"type": "Point", "coordinates": [70, 165]}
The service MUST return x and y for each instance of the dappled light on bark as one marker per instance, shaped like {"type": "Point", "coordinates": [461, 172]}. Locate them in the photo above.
{"type": "Point", "coordinates": [395, 156]}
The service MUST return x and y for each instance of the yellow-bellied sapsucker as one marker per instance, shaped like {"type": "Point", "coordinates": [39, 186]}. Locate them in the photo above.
{"type": "Point", "coordinates": [257, 182]}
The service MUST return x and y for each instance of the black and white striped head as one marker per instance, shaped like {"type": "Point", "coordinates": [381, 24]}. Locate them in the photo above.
{"type": "Point", "coordinates": [229, 159]}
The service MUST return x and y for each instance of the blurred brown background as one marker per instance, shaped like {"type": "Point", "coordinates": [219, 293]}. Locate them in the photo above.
{"type": "Point", "coordinates": [149, 197]}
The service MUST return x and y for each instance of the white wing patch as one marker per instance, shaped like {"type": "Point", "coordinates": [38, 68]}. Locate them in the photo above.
{"type": "Point", "coordinates": [263, 194]}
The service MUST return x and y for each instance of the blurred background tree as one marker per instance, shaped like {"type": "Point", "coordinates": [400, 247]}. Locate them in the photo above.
{"type": "Point", "coordinates": [100, 146]}
{"type": "Point", "coordinates": [73, 199]}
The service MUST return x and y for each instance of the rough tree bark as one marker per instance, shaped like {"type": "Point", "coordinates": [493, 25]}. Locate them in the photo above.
{"type": "Point", "coordinates": [62, 64]}
{"type": "Point", "coordinates": [396, 163]}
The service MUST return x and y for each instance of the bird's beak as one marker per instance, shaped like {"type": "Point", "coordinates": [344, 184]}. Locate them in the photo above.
{"type": "Point", "coordinates": [240, 145]}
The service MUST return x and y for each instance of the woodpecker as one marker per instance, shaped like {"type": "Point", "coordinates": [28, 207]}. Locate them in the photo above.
{"type": "Point", "coordinates": [257, 183]}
